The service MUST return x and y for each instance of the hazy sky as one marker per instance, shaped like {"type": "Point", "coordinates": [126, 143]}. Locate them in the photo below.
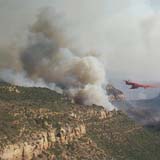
{"type": "Point", "coordinates": [125, 33]}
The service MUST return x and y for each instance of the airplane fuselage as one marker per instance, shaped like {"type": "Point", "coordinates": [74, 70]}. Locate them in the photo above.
{"type": "Point", "coordinates": [138, 85]}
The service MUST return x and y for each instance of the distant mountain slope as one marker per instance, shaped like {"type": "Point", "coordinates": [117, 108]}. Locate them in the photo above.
{"type": "Point", "coordinates": [39, 124]}
{"type": "Point", "coordinates": [147, 112]}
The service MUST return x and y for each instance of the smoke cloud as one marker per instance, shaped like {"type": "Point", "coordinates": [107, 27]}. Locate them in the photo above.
{"type": "Point", "coordinates": [123, 36]}
{"type": "Point", "coordinates": [123, 32]}
{"type": "Point", "coordinates": [49, 60]}
{"type": "Point", "coordinates": [21, 79]}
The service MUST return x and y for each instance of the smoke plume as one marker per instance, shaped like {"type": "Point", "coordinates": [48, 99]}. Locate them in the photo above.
{"type": "Point", "coordinates": [48, 61]}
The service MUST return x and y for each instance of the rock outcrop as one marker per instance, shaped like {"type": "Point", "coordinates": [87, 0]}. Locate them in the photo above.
{"type": "Point", "coordinates": [114, 93]}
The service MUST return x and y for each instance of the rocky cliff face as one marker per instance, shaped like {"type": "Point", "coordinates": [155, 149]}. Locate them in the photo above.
{"type": "Point", "coordinates": [114, 93]}
{"type": "Point", "coordinates": [39, 124]}
{"type": "Point", "coordinates": [69, 127]}
{"type": "Point", "coordinates": [39, 142]}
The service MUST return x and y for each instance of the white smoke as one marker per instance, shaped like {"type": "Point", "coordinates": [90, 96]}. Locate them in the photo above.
{"type": "Point", "coordinates": [97, 25]}
{"type": "Point", "coordinates": [21, 79]}
{"type": "Point", "coordinates": [49, 61]}
{"type": "Point", "coordinates": [123, 33]}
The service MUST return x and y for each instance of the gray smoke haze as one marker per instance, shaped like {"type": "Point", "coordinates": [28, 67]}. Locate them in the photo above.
{"type": "Point", "coordinates": [123, 36]}
{"type": "Point", "coordinates": [121, 32]}
{"type": "Point", "coordinates": [21, 79]}
{"type": "Point", "coordinates": [48, 61]}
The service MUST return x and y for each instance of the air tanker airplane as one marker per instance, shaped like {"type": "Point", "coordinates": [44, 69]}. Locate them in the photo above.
{"type": "Point", "coordinates": [135, 85]}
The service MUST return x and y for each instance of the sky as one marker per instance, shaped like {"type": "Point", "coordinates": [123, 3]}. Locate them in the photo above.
{"type": "Point", "coordinates": [124, 34]}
